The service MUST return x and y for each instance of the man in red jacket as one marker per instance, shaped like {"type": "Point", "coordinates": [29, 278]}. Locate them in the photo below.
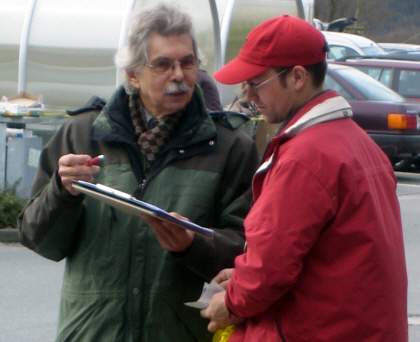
{"type": "Point", "coordinates": [325, 256]}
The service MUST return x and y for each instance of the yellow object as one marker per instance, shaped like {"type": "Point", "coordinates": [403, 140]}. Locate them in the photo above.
{"type": "Point", "coordinates": [398, 121]}
{"type": "Point", "coordinates": [222, 335]}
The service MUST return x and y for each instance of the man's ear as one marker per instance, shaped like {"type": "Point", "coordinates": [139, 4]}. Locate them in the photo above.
{"type": "Point", "coordinates": [300, 76]}
{"type": "Point", "coordinates": [132, 78]}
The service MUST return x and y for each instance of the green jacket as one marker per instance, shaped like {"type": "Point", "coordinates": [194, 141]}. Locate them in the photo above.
{"type": "Point", "coordinates": [119, 284]}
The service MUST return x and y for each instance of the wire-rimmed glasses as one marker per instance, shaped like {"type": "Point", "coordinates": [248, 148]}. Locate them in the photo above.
{"type": "Point", "coordinates": [164, 65]}
{"type": "Point", "coordinates": [257, 86]}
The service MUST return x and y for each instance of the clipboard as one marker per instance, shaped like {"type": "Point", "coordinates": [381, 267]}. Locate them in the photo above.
{"type": "Point", "coordinates": [131, 205]}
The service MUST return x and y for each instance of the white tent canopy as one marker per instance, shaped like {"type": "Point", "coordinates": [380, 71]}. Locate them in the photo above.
{"type": "Point", "coordinates": [64, 49]}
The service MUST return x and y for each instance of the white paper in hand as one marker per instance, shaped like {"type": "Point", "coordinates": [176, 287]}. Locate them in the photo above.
{"type": "Point", "coordinates": [208, 291]}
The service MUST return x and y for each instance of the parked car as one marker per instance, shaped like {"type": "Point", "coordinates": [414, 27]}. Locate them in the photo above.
{"type": "Point", "coordinates": [391, 121]}
{"type": "Point", "coordinates": [404, 55]}
{"type": "Point", "coordinates": [348, 45]}
{"type": "Point", "coordinates": [401, 76]}
{"type": "Point", "coordinates": [390, 47]}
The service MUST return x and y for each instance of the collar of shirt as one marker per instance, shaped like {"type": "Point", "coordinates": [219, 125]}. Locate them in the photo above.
{"type": "Point", "coordinates": [151, 121]}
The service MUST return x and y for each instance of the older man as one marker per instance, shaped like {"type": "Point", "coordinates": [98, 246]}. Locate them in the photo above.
{"type": "Point", "coordinates": [123, 280]}
{"type": "Point", "coordinates": [325, 254]}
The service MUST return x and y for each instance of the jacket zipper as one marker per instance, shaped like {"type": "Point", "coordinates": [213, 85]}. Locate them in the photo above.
{"type": "Point", "coordinates": [279, 331]}
{"type": "Point", "coordinates": [139, 189]}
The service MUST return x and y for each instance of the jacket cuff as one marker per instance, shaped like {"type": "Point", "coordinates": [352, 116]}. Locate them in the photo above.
{"type": "Point", "coordinates": [229, 304]}
{"type": "Point", "coordinates": [57, 190]}
{"type": "Point", "coordinates": [185, 252]}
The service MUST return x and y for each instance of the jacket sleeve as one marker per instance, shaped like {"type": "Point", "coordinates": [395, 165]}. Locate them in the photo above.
{"type": "Point", "coordinates": [207, 257]}
{"type": "Point", "coordinates": [281, 229]}
{"type": "Point", "coordinates": [48, 222]}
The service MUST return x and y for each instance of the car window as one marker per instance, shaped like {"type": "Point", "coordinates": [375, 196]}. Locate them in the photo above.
{"type": "Point", "coordinates": [386, 78]}
{"type": "Point", "coordinates": [373, 50]}
{"type": "Point", "coordinates": [332, 84]}
{"type": "Point", "coordinates": [337, 52]}
{"type": "Point", "coordinates": [368, 86]}
{"type": "Point", "coordinates": [380, 74]}
{"type": "Point", "coordinates": [371, 71]}
{"type": "Point", "coordinates": [409, 83]}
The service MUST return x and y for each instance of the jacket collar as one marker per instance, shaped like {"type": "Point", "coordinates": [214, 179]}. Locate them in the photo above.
{"type": "Point", "coordinates": [114, 122]}
{"type": "Point", "coordinates": [327, 106]}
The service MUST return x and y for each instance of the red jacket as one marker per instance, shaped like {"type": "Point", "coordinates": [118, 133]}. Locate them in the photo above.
{"type": "Point", "coordinates": [325, 256]}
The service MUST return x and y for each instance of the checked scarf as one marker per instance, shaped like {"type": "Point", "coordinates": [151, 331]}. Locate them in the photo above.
{"type": "Point", "coordinates": [151, 139]}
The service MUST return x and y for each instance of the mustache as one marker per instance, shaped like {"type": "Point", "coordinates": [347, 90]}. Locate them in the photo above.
{"type": "Point", "coordinates": [175, 88]}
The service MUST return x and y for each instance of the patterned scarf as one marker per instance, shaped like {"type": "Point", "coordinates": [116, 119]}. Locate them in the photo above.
{"type": "Point", "coordinates": [151, 139]}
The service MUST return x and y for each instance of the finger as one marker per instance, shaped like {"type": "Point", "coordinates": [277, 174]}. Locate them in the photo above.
{"type": "Point", "coordinates": [223, 275]}
{"type": "Point", "coordinates": [170, 236]}
{"type": "Point", "coordinates": [219, 278]}
{"type": "Point", "coordinates": [76, 171]}
{"type": "Point", "coordinates": [67, 182]}
{"type": "Point", "coordinates": [162, 233]}
{"type": "Point", "coordinates": [165, 241]}
{"type": "Point", "coordinates": [72, 167]}
{"type": "Point", "coordinates": [178, 216]}
{"type": "Point", "coordinates": [204, 313]}
{"type": "Point", "coordinates": [174, 228]}
{"type": "Point", "coordinates": [164, 228]}
{"type": "Point", "coordinates": [73, 159]}
{"type": "Point", "coordinates": [224, 284]}
{"type": "Point", "coordinates": [164, 236]}
{"type": "Point", "coordinates": [213, 326]}
{"type": "Point", "coordinates": [151, 221]}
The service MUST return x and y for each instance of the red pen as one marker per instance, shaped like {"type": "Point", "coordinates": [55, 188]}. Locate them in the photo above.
{"type": "Point", "coordinates": [95, 161]}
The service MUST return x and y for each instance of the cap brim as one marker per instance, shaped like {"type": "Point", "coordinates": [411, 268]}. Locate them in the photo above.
{"type": "Point", "coordinates": [237, 71]}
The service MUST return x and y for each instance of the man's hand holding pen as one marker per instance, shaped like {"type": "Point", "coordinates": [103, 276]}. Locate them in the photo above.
{"type": "Point", "coordinates": [77, 167]}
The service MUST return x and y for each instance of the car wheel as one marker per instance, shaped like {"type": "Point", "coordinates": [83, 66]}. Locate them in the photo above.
{"type": "Point", "coordinates": [394, 161]}
{"type": "Point", "coordinates": [403, 165]}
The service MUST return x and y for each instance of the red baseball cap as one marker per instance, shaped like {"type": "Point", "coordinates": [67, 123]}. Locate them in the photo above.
{"type": "Point", "coordinates": [283, 41]}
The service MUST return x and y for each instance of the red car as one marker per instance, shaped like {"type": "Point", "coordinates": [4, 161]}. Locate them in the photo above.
{"type": "Point", "coordinates": [391, 121]}
{"type": "Point", "coordinates": [402, 76]}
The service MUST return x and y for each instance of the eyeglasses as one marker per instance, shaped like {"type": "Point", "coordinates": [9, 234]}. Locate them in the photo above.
{"type": "Point", "coordinates": [256, 87]}
{"type": "Point", "coordinates": [164, 66]}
